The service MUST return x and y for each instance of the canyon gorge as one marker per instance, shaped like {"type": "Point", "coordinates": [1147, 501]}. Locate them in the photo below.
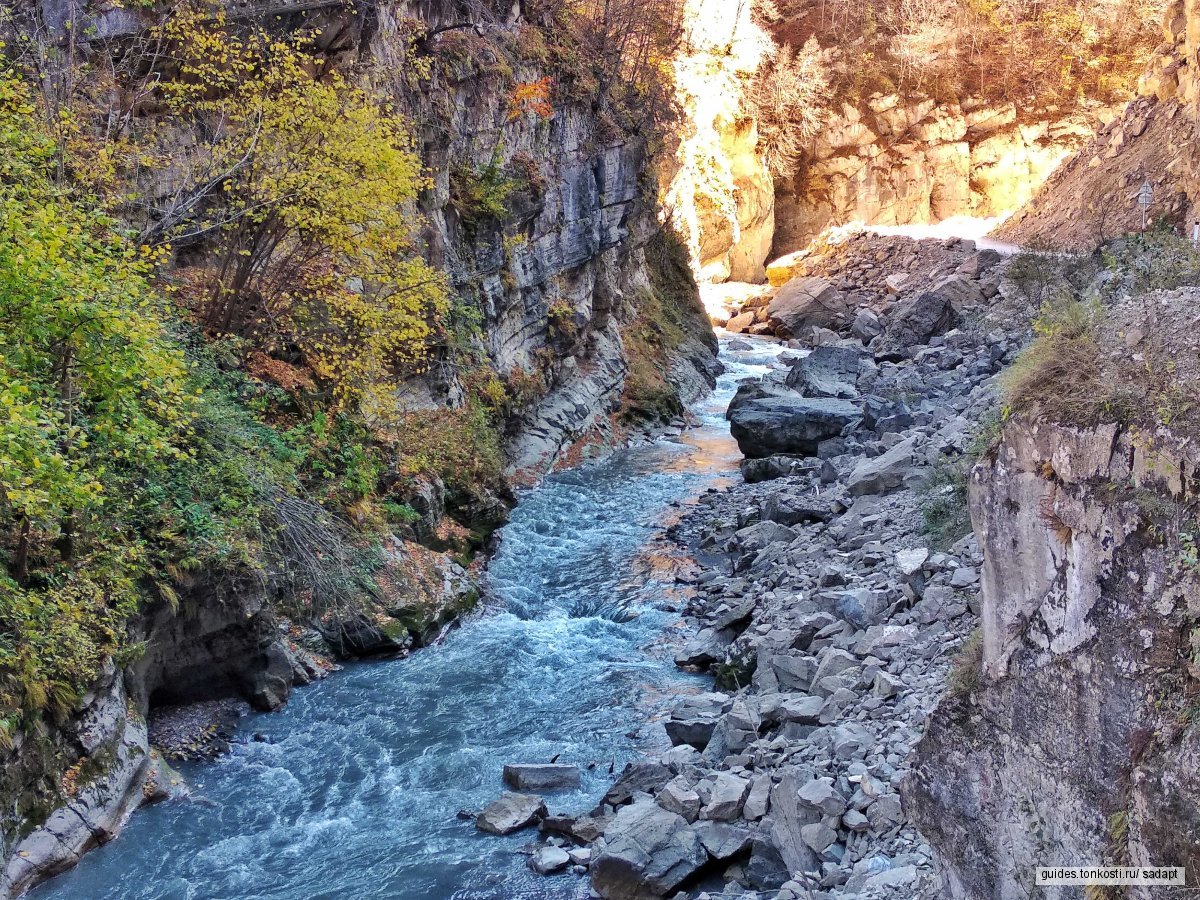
{"type": "Point", "coordinates": [720, 515]}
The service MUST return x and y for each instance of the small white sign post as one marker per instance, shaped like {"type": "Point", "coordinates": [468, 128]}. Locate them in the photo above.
{"type": "Point", "coordinates": [1144, 198]}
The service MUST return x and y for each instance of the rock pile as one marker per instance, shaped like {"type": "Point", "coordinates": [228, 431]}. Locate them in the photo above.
{"type": "Point", "coordinates": [860, 282]}
{"type": "Point", "coordinates": [830, 626]}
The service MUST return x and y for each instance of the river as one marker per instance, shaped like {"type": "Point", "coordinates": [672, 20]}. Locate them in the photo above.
{"type": "Point", "coordinates": [356, 788]}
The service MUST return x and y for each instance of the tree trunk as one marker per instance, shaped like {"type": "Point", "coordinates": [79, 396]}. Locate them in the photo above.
{"type": "Point", "coordinates": [21, 561]}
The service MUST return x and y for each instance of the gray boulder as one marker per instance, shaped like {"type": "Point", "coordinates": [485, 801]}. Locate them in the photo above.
{"type": "Point", "coordinates": [803, 710]}
{"type": "Point", "coordinates": [642, 776]}
{"type": "Point", "coordinates": [723, 841]}
{"type": "Point", "coordinates": [761, 535]}
{"type": "Point", "coordinates": [791, 510]}
{"type": "Point", "coordinates": [694, 719]}
{"type": "Point", "coordinates": [804, 303]}
{"type": "Point", "coordinates": [886, 473]}
{"type": "Point", "coordinates": [790, 425]}
{"type": "Point", "coordinates": [548, 860]}
{"type": "Point", "coordinates": [728, 794]}
{"type": "Point", "coordinates": [766, 870]}
{"type": "Point", "coordinates": [645, 851]}
{"type": "Point", "coordinates": [980, 263]}
{"type": "Point", "coordinates": [541, 776]}
{"type": "Point", "coordinates": [820, 794]}
{"type": "Point", "coordinates": [679, 797]}
{"type": "Point", "coordinates": [510, 813]}
{"type": "Point", "coordinates": [789, 815]}
{"type": "Point", "coordinates": [926, 315]}
{"type": "Point", "coordinates": [707, 647]}
{"type": "Point", "coordinates": [866, 326]}
{"type": "Point", "coordinates": [827, 372]}
{"type": "Point", "coordinates": [755, 471]}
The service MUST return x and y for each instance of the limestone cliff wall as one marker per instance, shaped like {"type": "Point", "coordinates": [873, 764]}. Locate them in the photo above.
{"type": "Point", "coordinates": [881, 160]}
{"type": "Point", "coordinates": [901, 161]}
{"type": "Point", "coordinates": [572, 240]}
{"type": "Point", "coordinates": [1072, 743]}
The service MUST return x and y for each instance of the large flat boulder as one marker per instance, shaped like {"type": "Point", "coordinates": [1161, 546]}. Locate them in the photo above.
{"type": "Point", "coordinates": [791, 425]}
{"type": "Point", "coordinates": [646, 851]}
{"type": "Point", "coordinates": [804, 303]}
{"type": "Point", "coordinates": [790, 814]}
{"type": "Point", "coordinates": [541, 776]}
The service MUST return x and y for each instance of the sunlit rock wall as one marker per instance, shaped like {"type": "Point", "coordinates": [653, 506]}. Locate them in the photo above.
{"type": "Point", "coordinates": [721, 195]}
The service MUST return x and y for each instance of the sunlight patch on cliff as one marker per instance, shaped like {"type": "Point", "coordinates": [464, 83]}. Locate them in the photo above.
{"type": "Point", "coordinates": [721, 196]}
{"type": "Point", "coordinates": [964, 227]}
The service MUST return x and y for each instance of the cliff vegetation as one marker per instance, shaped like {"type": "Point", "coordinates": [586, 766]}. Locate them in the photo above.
{"type": "Point", "coordinates": [220, 294]}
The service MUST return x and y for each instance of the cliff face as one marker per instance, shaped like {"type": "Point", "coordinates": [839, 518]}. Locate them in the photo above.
{"type": "Point", "coordinates": [884, 157]}
{"type": "Point", "coordinates": [722, 194]}
{"type": "Point", "coordinates": [69, 786]}
{"type": "Point", "coordinates": [1075, 746]}
{"type": "Point", "coordinates": [565, 271]}
{"type": "Point", "coordinates": [900, 161]}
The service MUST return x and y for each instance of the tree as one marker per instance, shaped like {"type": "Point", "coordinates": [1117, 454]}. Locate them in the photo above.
{"type": "Point", "coordinates": [628, 45]}
{"type": "Point", "coordinates": [788, 98]}
{"type": "Point", "coordinates": [301, 189]}
{"type": "Point", "coordinates": [89, 380]}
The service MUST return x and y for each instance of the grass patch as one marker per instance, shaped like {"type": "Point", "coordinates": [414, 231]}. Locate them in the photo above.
{"type": "Point", "coordinates": [966, 669]}
{"type": "Point", "coordinates": [1064, 375]}
{"type": "Point", "coordinates": [944, 508]}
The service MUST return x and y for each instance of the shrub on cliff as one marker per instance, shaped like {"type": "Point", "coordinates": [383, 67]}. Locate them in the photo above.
{"type": "Point", "coordinates": [787, 98]}
{"type": "Point", "coordinates": [1062, 373]}
{"type": "Point", "coordinates": [668, 315]}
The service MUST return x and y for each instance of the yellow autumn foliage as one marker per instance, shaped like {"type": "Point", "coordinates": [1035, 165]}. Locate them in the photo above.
{"type": "Point", "coordinates": [308, 184]}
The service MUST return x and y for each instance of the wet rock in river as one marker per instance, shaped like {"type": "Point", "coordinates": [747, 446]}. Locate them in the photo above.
{"type": "Point", "coordinates": [548, 860]}
{"type": "Point", "coordinates": [541, 776]}
{"type": "Point", "coordinates": [510, 813]}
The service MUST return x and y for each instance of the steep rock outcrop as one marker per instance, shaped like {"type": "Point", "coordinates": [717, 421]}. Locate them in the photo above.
{"type": "Point", "coordinates": [1071, 744]}
{"type": "Point", "coordinates": [1093, 196]}
{"type": "Point", "coordinates": [565, 271]}
{"type": "Point", "coordinates": [70, 785]}
{"type": "Point", "coordinates": [113, 777]}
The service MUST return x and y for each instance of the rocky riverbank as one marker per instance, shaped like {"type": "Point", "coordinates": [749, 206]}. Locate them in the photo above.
{"type": "Point", "coordinates": [835, 597]}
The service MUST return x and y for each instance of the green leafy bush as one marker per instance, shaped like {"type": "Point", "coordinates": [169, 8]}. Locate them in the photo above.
{"type": "Point", "coordinates": [481, 195]}
{"type": "Point", "coordinates": [126, 459]}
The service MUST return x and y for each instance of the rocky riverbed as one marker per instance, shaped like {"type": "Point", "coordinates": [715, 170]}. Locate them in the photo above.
{"type": "Point", "coordinates": [834, 596]}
